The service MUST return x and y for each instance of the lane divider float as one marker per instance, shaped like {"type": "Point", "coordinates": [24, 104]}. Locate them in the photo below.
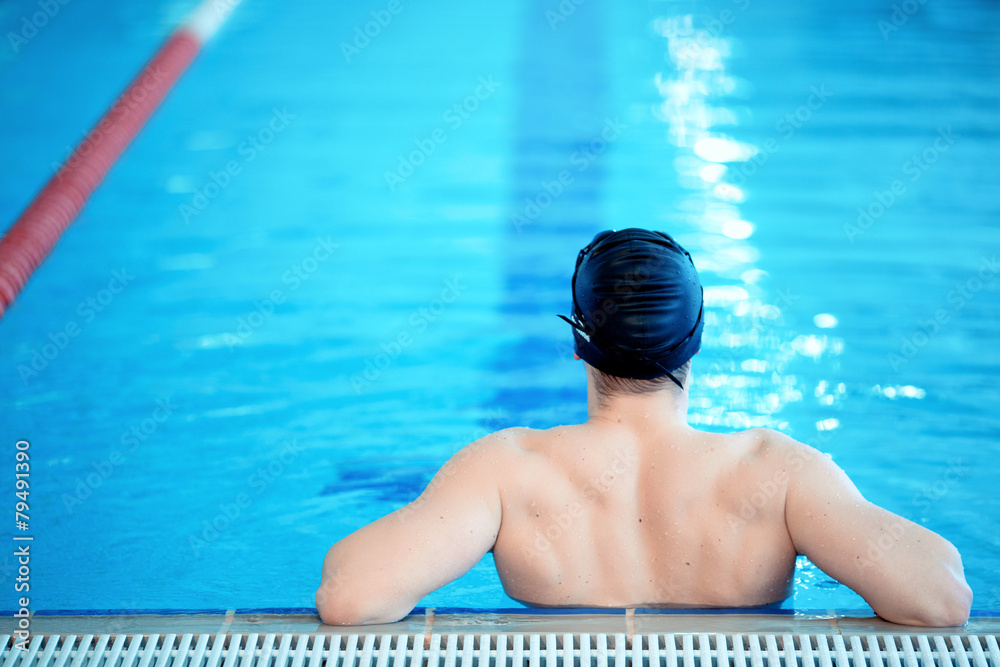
{"type": "Point", "coordinates": [33, 235]}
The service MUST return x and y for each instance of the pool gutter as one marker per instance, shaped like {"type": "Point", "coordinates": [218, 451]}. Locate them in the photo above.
{"type": "Point", "coordinates": [628, 623]}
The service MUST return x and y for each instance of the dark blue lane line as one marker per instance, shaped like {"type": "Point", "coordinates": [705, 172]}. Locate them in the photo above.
{"type": "Point", "coordinates": [562, 105]}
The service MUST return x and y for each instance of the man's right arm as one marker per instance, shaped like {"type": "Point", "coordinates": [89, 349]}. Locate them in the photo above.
{"type": "Point", "coordinates": [908, 574]}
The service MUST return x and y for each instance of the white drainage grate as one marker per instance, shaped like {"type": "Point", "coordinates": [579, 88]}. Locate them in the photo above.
{"type": "Point", "coordinates": [504, 650]}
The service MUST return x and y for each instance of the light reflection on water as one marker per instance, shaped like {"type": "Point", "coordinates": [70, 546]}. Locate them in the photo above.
{"type": "Point", "coordinates": [749, 352]}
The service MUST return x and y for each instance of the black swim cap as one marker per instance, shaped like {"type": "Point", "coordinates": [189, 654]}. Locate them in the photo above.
{"type": "Point", "coordinates": [637, 304]}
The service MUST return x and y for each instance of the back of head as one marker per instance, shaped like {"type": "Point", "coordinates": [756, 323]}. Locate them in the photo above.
{"type": "Point", "coordinates": [638, 305]}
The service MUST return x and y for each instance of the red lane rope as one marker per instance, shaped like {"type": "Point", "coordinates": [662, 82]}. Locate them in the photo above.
{"type": "Point", "coordinates": [33, 235]}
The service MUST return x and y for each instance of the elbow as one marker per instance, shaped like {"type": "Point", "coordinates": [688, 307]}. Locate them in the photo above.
{"type": "Point", "coordinates": [952, 609]}
{"type": "Point", "coordinates": [934, 595]}
{"type": "Point", "coordinates": [333, 611]}
{"type": "Point", "coordinates": [338, 600]}
{"type": "Point", "coordinates": [340, 607]}
{"type": "Point", "coordinates": [944, 605]}
{"type": "Point", "coordinates": [346, 597]}
{"type": "Point", "coordinates": [950, 614]}
{"type": "Point", "coordinates": [954, 599]}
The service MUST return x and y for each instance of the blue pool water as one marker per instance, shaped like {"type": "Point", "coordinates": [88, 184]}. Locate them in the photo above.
{"type": "Point", "coordinates": [331, 277]}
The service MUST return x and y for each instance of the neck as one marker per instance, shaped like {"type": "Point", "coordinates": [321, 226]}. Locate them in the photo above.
{"type": "Point", "coordinates": [666, 407]}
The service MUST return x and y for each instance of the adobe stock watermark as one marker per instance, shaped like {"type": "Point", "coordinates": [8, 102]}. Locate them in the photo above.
{"type": "Point", "coordinates": [765, 317]}
{"type": "Point", "coordinates": [294, 277]}
{"type": "Point", "coordinates": [248, 149]}
{"type": "Point", "coordinates": [582, 158]}
{"type": "Point", "coordinates": [364, 34]}
{"type": "Point", "coordinates": [223, 8]}
{"type": "Point", "coordinates": [786, 127]}
{"type": "Point", "coordinates": [58, 340]}
{"type": "Point", "coordinates": [767, 490]}
{"type": "Point", "coordinates": [131, 439]}
{"type": "Point", "coordinates": [257, 483]}
{"type": "Point", "coordinates": [418, 322]}
{"type": "Point", "coordinates": [695, 44]}
{"type": "Point", "coordinates": [556, 526]}
{"type": "Point", "coordinates": [31, 25]}
{"type": "Point", "coordinates": [454, 117]}
{"type": "Point", "coordinates": [124, 106]}
{"type": "Point", "coordinates": [624, 289]}
{"type": "Point", "coordinates": [136, 95]}
{"type": "Point", "coordinates": [956, 299]}
{"type": "Point", "coordinates": [914, 168]}
{"type": "Point", "coordinates": [562, 12]}
{"type": "Point", "coordinates": [795, 120]}
{"type": "Point", "coordinates": [330, 585]}
{"type": "Point", "coordinates": [924, 499]}
{"type": "Point", "coordinates": [777, 483]}
{"type": "Point", "coordinates": [899, 17]}
{"type": "Point", "coordinates": [877, 549]}
{"type": "Point", "coordinates": [495, 420]}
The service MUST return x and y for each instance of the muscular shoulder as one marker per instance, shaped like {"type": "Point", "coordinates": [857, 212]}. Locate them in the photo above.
{"type": "Point", "coordinates": [519, 456]}
{"type": "Point", "coordinates": [505, 442]}
{"type": "Point", "coordinates": [522, 441]}
{"type": "Point", "coordinates": [793, 466]}
{"type": "Point", "coordinates": [765, 461]}
{"type": "Point", "coordinates": [780, 451]}
{"type": "Point", "coordinates": [482, 465]}
{"type": "Point", "coordinates": [494, 452]}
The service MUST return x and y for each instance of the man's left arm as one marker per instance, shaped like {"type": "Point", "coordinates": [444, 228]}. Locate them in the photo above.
{"type": "Point", "coordinates": [380, 572]}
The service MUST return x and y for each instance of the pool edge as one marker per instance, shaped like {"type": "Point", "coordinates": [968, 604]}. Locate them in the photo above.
{"type": "Point", "coordinates": [429, 623]}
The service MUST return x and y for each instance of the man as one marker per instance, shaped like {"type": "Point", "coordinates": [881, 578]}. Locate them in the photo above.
{"type": "Point", "coordinates": [634, 507]}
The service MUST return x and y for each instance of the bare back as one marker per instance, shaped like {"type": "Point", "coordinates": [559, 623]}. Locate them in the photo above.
{"type": "Point", "coordinates": [596, 514]}
{"type": "Point", "coordinates": [642, 513]}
